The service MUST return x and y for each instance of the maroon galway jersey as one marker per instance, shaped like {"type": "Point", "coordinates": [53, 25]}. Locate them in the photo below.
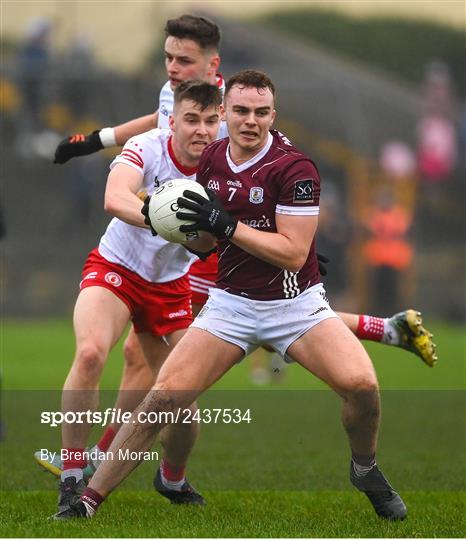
{"type": "Point", "coordinates": [279, 179]}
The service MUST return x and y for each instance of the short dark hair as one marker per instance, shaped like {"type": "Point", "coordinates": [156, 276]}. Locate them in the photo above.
{"type": "Point", "coordinates": [250, 78]}
{"type": "Point", "coordinates": [201, 92]}
{"type": "Point", "coordinates": [200, 29]}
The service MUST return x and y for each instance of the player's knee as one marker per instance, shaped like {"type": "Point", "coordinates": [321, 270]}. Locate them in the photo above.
{"type": "Point", "coordinates": [133, 353]}
{"type": "Point", "coordinates": [364, 392]}
{"type": "Point", "coordinates": [90, 360]}
{"type": "Point", "coordinates": [168, 392]}
{"type": "Point", "coordinates": [158, 403]}
{"type": "Point", "coordinates": [367, 383]}
{"type": "Point", "coordinates": [364, 385]}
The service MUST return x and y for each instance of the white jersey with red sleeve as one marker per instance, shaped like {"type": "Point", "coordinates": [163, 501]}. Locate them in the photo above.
{"type": "Point", "coordinates": [278, 180]}
{"type": "Point", "coordinates": [152, 258]}
{"type": "Point", "coordinates": [165, 108]}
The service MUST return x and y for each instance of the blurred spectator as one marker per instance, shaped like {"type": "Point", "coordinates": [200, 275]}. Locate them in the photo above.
{"type": "Point", "coordinates": [33, 64]}
{"type": "Point", "coordinates": [79, 71]}
{"type": "Point", "coordinates": [438, 97]}
{"type": "Point", "coordinates": [398, 165]}
{"type": "Point", "coordinates": [437, 151]}
{"type": "Point", "coordinates": [85, 193]}
{"type": "Point", "coordinates": [436, 148]}
{"type": "Point", "coordinates": [387, 252]}
{"type": "Point", "coordinates": [437, 138]}
{"type": "Point", "coordinates": [398, 161]}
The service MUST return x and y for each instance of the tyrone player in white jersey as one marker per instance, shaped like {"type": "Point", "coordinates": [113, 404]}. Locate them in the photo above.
{"type": "Point", "coordinates": [268, 291]}
{"type": "Point", "coordinates": [135, 276]}
{"type": "Point", "coordinates": [191, 51]}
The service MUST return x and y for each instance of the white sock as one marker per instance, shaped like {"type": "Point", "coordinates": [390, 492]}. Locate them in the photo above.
{"type": "Point", "coordinates": [169, 484]}
{"type": "Point", "coordinates": [94, 454]}
{"type": "Point", "coordinates": [276, 362]}
{"type": "Point", "coordinates": [77, 473]}
{"type": "Point", "coordinates": [390, 333]}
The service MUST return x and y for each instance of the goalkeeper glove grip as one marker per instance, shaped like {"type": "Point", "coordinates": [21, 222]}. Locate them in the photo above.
{"type": "Point", "coordinates": [209, 214]}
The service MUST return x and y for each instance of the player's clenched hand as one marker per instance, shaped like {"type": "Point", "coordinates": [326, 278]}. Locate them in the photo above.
{"type": "Point", "coordinates": [209, 214]}
{"type": "Point", "coordinates": [78, 145]}
{"type": "Point", "coordinates": [145, 213]}
{"type": "Point", "coordinates": [323, 260]}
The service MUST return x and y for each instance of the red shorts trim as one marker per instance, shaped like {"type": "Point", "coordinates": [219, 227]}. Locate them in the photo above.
{"type": "Point", "coordinates": [202, 277]}
{"type": "Point", "coordinates": [156, 308]}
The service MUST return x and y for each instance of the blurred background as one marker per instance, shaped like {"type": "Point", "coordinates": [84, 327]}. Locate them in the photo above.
{"type": "Point", "coordinates": [374, 92]}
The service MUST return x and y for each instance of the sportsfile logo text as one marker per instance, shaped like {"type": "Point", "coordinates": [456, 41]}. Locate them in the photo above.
{"type": "Point", "coordinates": [113, 415]}
{"type": "Point", "coordinates": [109, 416]}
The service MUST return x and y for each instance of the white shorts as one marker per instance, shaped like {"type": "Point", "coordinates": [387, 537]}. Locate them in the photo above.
{"type": "Point", "coordinates": [253, 323]}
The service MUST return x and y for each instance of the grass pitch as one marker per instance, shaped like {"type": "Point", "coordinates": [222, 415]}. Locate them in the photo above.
{"type": "Point", "coordinates": [283, 475]}
{"type": "Point", "coordinates": [239, 514]}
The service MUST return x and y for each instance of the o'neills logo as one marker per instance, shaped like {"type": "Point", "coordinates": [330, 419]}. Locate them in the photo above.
{"type": "Point", "coordinates": [89, 500]}
{"type": "Point", "coordinates": [91, 275]}
{"type": "Point", "coordinates": [317, 311]}
{"type": "Point", "coordinates": [235, 183]}
{"type": "Point", "coordinates": [113, 278]}
{"type": "Point", "coordinates": [180, 313]}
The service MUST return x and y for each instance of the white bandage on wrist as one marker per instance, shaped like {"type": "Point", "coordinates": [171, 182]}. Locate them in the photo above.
{"type": "Point", "coordinates": [107, 137]}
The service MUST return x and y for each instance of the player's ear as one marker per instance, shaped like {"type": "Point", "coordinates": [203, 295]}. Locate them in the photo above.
{"type": "Point", "coordinates": [274, 114]}
{"type": "Point", "coordinates": [171, 122]}
{"type": "Point", "coordinates": [222, 112]}
{"type": "Point", "coordinates": [214, 64]}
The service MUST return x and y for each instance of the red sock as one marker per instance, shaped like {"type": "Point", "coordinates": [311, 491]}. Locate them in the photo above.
{"type": "Point", "coordinates": [106, 439]}
{"type": "Point", "coordinates": [92, 498]}
{"type": "Point", "coordinates": [74, 459]}
{"type": "Point", "coordinates": [370, 328]}
{"type": "Point", "coordinates": [171, 472]}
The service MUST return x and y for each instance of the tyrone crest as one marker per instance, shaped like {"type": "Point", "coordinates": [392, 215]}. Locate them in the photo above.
{"type": "Point", "coordinates": [256, 195]}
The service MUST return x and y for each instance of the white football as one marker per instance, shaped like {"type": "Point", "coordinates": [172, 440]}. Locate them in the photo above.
{"type": "Point", "coordinates": [163, 207]}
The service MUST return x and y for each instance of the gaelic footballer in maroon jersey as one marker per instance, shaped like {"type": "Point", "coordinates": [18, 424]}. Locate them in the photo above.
{"type": "Point", "coordinates": [302, 326]}
{"type": "Point", "coordinates": [279, 179]}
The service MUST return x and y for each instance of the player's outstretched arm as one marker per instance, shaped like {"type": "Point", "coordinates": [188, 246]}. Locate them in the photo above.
{"type": "Point", "coordinates": [82, 145]}
{"type": "Point", "coordinates": [125, 131]}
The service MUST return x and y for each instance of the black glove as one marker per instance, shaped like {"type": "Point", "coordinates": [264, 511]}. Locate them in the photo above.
{"type": "Point", "coordinates": [78, 145]}
{"type": "Point", "coordinates": [203, 255]}
{"type": "Point", "coordinates": [145, 213]}
{"type": "Point", "coordinates": [323, 260]}
{"type": "Point", "coordinates": [209, 215]}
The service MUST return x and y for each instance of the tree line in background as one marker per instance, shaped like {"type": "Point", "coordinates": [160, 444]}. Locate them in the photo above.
{"type": "Point", "coordinates": [401, 47]}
